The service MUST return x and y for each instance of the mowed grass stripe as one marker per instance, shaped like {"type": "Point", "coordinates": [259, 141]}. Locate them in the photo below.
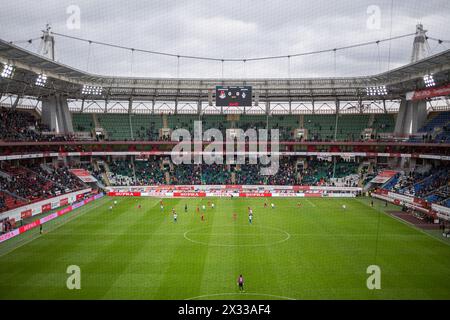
{"type": "Point", "coordinates": [112, 259]}
{"type": "Point", "coordinates": [221, 262]}
{"type": "Point", "coordinates": [32, 266]}
{"type": "Point", "coordinates": [135, 274]}
{"type": "Point", "coordinates": [187, 257]}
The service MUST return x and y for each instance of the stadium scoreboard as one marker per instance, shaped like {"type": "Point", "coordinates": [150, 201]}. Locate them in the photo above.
{"type": "Point", "coordinates": [227, 96]}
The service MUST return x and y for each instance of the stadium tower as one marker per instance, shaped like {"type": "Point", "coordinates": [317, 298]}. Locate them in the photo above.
{"type": "Point", "coordinates": [412, 115]}
{"type": "Point", "coordinates": [55, 110]}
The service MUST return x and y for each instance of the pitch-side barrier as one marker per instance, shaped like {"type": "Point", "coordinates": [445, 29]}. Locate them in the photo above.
{"type": "Point", "coordinates": [50, 217]}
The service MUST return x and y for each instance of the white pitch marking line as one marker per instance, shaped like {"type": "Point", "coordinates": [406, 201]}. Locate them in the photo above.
{"type": "Point", "coordinates": [307, 200]}
{"type": "Point", "coordinates": [243, 293]}
{"type": "Point", "coordinates": [55, 228]}
{"type": "Point", "coordinates": [288, 236]}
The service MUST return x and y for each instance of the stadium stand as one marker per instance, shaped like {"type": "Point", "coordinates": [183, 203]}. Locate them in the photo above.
{"type": "Point", "coordinates": [146, 127]}
{"type": "Point", "coordinates": [149, 172]}
{"type": "Point", "coordinates": [391, 184]}
{"type": "Point", "coordinates": [286, 125]}
{"type": "Point", "coordinates": [186, 174]}
{"type": "Point", "coordinates": [8, 201]}
{"type": "Point", "coordinates": [121, 173]}
{"type": "Point", "coordinates": [215, 174]}
{"type": "Point", "coordinates": [287, 174]}
{"type": "Point", "coordinates": [154, 172]}
{"type": "Point", "coordinates": [29, 182]}
{"type": "Point", "coordinates": [82, 122]}
{"type": "Point", "coordinates": [117, 126]}
{"type": "Point", "coordinates": [383, 123]}
{"type": "Point", "coordinates": [429, 183]}
{"type": "Point", "coordinates": [350, 127]}
{"type": "Point", "coordinates": [436, 129]}
{"type": "Point", "coordinates": [444, 135]}
{"type": "Point", "coordinates": [20, 185]}
{"type": "Point", "coordinates": [19, 125]}
{"type": "Point", "coordinates": [320, 127]}
{"type": "Point", "coordinates": [435, 121]}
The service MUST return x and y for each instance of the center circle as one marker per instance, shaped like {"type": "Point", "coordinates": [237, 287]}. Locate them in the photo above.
{"type": "Point", "coordinates": [237, 236]}
{"type": "Point", "coordinates": [235, 296]}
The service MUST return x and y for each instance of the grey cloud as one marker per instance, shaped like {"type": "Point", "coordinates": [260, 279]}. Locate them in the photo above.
{"type": "Point", "coordinates": [235, 28]}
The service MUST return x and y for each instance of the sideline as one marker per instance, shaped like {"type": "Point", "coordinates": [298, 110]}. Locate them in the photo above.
{"type": "Point", "coordinates": [25, 240]}
{"type": "Point", "coordinates": [412, 226]}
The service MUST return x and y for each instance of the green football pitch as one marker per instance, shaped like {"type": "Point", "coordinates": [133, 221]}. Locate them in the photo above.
{"type": "Point", "coordinates": [314, 251]}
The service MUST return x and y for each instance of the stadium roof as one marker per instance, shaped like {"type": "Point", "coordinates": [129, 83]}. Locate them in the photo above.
{"type": "Point", "coordinates": [70, 81]}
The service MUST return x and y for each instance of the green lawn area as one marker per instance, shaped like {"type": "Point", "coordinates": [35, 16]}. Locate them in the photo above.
{"type": "Point", "coordinates": [316, 251]}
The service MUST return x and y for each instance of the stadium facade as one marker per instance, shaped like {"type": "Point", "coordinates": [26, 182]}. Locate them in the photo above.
{"type": "Point", "coordinates": [339, 136]}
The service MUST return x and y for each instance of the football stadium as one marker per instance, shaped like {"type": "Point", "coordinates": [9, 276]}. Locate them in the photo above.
{"type": "Point", "coordinates": [165, 150]}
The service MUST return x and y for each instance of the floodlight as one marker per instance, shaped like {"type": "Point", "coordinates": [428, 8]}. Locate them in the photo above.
{"type": "Point", "coordinates": [377, 91]}
{"type": "Point", "coordinates": [91, 90]}
{"type": "Point", "coordinates": [429, 80]}
{"type": "Point", "coordinates": [7, 71]}
{"type": "Point", "coordinates": [41, 80]}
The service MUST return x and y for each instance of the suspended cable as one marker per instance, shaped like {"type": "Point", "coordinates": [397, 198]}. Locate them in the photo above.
{"type": "Point", "coordinates": [334, 62]}
{"type": "Point", "coordinates": [379, 57]}
{"type": "Point", "coordinates": [390, 32]}
{"type": "Point", "coordinates": [25, 41]}
{"type": "Point", "coordinates": [435, 47]}
{"type": "Point", "coordinates": [289, 66]}
{"type": "Point", "coordinates": [440, 41]}
{"type": "Point", "coordinates": [236, 59]}
{"type": "Point", "coordinates": [88, 57]}
{"type": "Point", "coordinates": [132, 61]}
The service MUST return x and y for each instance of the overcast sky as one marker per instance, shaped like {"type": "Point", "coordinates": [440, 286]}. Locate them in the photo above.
{"type": "Point", "coordinates": [228, 29]}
